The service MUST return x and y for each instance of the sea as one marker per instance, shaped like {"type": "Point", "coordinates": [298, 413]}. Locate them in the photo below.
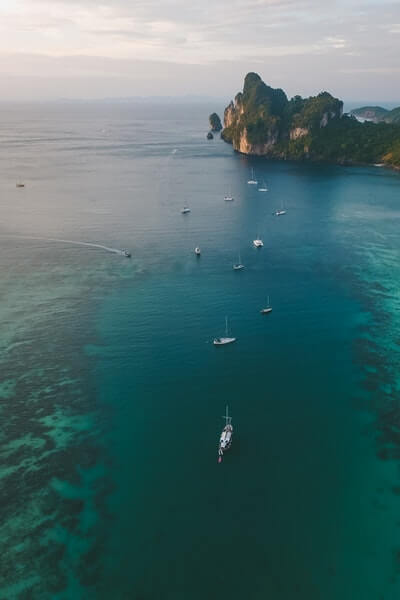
{"type": "Point", "coordinates": [112, 392]}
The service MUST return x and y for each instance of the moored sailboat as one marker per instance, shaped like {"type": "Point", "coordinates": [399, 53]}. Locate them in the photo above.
{"type": "Point", "coordinates": [263, 187]}
{"type": "Point", "coordinates": [238, 266]}
{"type": "Point", "coordinates": [252, 180]}
{"type": "Point", "coordinates": [222, 341]}
{"type": "Point", "coordinates": [267, 309]}
{"type": "Point", "coordinates": [225, 439]}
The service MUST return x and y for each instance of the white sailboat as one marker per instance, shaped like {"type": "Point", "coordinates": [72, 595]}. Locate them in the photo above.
{"type": "Point", "coordinates": [263, 187]}
{"type": "Point", "coordinates": [222, 341]}
{"type": "Point", "coordinates": [238, 266]}
{"type": "Point", "coordinates": [252, 180]}
{"type": "Point", "coordinates": [281, 211]}
{"type": "Point", "coordinates": [225, 439]}
{"type": "Point", "coordinates": [267, 309]}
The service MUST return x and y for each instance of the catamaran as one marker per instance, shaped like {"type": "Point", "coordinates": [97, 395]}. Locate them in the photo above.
{"type": "Point", "coordinates": [267, 309]}
{"type": "Point", "coordinates": [258, 243]}
{"type": "Point", "coordinates": [263, 187]}
{"type": "Point", "coordinates": [225, 439]}
{"type": "Point", "coordinates": [238, 266]}
{"type": "Point", "coordinates": [222, 341]}
{"type": "Point", "coordinates": [185, 210]}
{"type": "Point", "coordinates": [252, 180]}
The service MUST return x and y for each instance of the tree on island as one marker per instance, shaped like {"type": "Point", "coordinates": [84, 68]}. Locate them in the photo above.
{"type": "Point", "coordinates": [215, 122]}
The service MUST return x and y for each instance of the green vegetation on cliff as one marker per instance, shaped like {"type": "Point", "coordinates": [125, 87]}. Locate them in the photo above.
{"type": "Point", "coordinates": [393, 116]}
{"type": "Point", "coordinates": [347, 141]}
{"type": "Point", "coordinates": [263, 121]}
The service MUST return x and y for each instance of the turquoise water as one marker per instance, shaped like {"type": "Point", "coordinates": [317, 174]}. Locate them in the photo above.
{"type": "Point", "coordinates": [112, 392]}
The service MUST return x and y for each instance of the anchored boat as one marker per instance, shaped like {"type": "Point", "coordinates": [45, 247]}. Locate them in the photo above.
{"type": "Point", "coordinates": [225, 439]}
{"type": "Point", "coordinates": [252, 180]}
{"type": "Point", "coordinates": [238, 266]}
{"type": "Point", "coordinates": [222, 341]}
{"type": "Point", "coordinates": [267, 309]}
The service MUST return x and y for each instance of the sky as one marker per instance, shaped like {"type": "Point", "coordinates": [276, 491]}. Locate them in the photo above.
{"type": "Point", "coordinates": [51, 49]}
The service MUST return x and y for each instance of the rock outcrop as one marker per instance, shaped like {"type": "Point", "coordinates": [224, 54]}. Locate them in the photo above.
{"type": "Point", "coordinates": [215, 122]}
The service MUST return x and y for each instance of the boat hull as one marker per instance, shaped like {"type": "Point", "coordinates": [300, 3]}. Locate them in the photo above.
{"type": "Point", "coordinates": [223, 341]}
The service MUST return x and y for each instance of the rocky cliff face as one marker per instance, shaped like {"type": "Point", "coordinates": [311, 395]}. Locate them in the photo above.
{"type": "Point", "coordinates": [262, 121]}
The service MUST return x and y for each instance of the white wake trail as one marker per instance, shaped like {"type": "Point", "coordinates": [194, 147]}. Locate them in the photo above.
{"type": "Point", "coordinates": [62, 241]}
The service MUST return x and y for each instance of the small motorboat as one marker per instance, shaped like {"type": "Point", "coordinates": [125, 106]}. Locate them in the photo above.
{"type": "Point", "coordinates": [279, 213]}
{"type": "Point", "coordinates": [197, 251]}
{"type": "Point", "coordinates": [185, 210]}
{"type": "Point", "coordinates": [225, 439]}
{"type": "Point", "coordinates": [126, 253]}
{"type": "Point", "coordinates": [19, 185]}
{"type": "Point", "coordinates": [228, 198]}
{"type": "Point", "coordinates": [258, 243]}
{"type": "Point", "coordinates": [267, 309]}
{"type": "Point", "coordinates": [222, 341]}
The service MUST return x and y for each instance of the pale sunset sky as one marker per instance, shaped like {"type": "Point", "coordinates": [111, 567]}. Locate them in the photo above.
{"type": "Point", "coordinates": [52, 49]}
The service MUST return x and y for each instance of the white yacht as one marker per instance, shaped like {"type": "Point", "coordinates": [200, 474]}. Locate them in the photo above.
{"type": "Point", "coordinates": [197, 251]}
{"type": "Point", "coordinates": [258, 243]}
{"type": "Point", "coordinates": [222, 341]}
{"type": "Point", "coordinates": [252, 180]}
{"type": "Point", "coordinates": [185, 210]}
{"type": "Point", "coordinates": [229, 198]}
{"type": "Point", "coordinates": [238, 266]}
{"type": "Point", "coordinates": [225, 439]}
{"type": "Point", "coordinates": [267, 309]}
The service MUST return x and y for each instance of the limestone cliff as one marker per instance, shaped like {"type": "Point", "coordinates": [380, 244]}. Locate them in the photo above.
{"type": "Point", "coordinates": [262, 121]}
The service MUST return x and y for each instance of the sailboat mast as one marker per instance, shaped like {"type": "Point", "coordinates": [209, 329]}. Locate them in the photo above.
{"type": "Point", "coordinates": [226, 326]}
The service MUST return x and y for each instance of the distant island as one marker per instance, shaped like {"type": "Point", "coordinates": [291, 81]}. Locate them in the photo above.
{"type": "Point", "coordinates": [377, 114]}
{"type": "Point", "coordinates": [263, 121]}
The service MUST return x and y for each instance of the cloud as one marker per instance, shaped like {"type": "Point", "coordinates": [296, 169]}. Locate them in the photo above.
{"type": "Point", "coordinates": [236, 32]}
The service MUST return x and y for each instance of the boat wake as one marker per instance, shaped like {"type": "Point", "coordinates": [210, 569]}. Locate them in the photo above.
{"type": "Point", "coordinates": [74, 242]}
